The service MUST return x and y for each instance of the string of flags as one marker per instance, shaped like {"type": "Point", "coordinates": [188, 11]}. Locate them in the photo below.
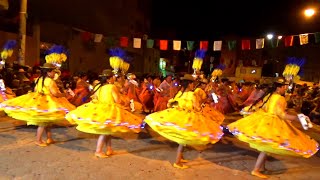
{"type": "Point", "coordinates": [217, 45]}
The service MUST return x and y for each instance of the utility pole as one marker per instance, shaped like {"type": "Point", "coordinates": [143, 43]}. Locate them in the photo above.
{"type": "Point", "coordinates": [22, 32]}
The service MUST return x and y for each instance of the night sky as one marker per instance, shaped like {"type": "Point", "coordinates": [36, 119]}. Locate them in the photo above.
{"type": "Point", "coordinates": [205, 19]}
{"type": "Point", "coordinates": [246, 18]}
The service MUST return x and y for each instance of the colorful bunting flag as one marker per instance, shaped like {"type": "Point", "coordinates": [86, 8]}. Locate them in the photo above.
{"type": "Point", "coordinates": [163, 44]}
{"type": "Point", "coordinates": [303, 39]}
{"type": "Point", "coordinates": [190, 45]}
{"type": "Point", "coordinates": [136, 42]}
{"type": "Point", "coordinates": [317, 37]}
{"type": "Point", "coordinates": [176, 45]}
{"type": "Point", "coordinates": [150, 43]}
{"type": "Point", "coordinates": [232, 45]}
{"type": "Point", "coordinates": [124, 41]}
{"type": "Point", "coordinates": [204, 45]}
{"type": "Point", "coordinates": [260, 43]}
{"type": "Point", "coordinates": [111, 41]}
{"type": "Point", "coordinates": [98, 38]}
{"type": "Point", "coordinates": [217, 45]}
{"type": "Point", "coordinates": [288, 41]}
{"type": "Point", "coordinates": [245, 44]}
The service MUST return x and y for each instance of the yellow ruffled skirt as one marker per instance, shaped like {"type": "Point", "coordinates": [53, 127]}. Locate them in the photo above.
{"type": "Point", "coordinates": [213, 114]}
{"type": "Point", "coordinates": [37, 109]}
{"type": "Point", "coordinates": [104, 118]}
{"type": "Point", "coordinates": [268, 133]}
{"type": "Point", "coordinates": [137, 105]}
{"type": "Point", "coordinates": [186, 127]}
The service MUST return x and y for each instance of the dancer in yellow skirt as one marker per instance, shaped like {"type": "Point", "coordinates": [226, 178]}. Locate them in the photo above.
{"type": "Point", "coordinates": [184, 122]}
{"type": "Point", "coordinates": [107, 114]}
{"type": "Point", "coordinates": [269, 130]}
{"type": "Point", "coordinates": [44, 107]}
{"type": "Point", "coordinates": [215, 115]}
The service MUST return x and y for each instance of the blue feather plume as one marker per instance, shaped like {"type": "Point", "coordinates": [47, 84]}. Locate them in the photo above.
{"type": "Point", "coordinates": [57, 49]}
{"type": "Point", "coordinates": [296, 61]}
{"type": "Point", "coordinates": [118, 52]}
{"type": "Point", "coordinates": [200, 54]}
{"type": "Point", "coordinates": [299, 62]}
{"type": "Point", "coordinates": [10, 44]}
{"type": "Point", "coordinates": [128, 59]}
{"type": "Point", "coordinates": [221, 66]}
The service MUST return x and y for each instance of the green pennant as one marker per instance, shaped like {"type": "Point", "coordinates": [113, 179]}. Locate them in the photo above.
{"type": "Point", "coordinates": [150, 43]}
{"type": "Point", "coordinates": [190, 45]}
{"type": "Point", "coordinates": [232, 44]}
{"type": "Point", "coordinates": [317, 37]}
{"type": "Point", "coordinates": [111, 41]}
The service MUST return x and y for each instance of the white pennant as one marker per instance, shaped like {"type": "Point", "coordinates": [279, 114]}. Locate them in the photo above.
{"type": "Point", "coordinates": [176, 45]}
{"type": "Point", "coordinates": [137, 42]}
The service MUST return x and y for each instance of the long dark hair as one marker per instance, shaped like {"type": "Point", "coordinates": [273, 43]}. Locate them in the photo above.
{"type": "Point", "coordinates": [102, 81]}
{"type": "Point", "coordinates": [184, 85]}
{"type": "Point", "coordinates": [43, 75]}
{"type": "Point", "coordinates": [269, 92]}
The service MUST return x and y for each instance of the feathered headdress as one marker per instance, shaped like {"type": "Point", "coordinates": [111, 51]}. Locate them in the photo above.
{"type": "Point", "coordinates": [8, 49]}
{"type": "Point", "coordinates": [117, 56]}
{"type": "Point", "coordinates": [56, 55]}
{"type": "Point", "coordinates": [293, 68]}
{"type": "Point", "coordinates": [198, 60]}
{"type": "Point", "coordinates": [217, 72]}
{"type": "Point", "coordinates": [125, 64]}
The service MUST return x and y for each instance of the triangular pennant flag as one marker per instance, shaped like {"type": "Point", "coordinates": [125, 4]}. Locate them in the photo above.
{"type": "Point", "coordinates": [204, 45]}
{"type": "Point", "coordinates": [245, 44]}
{"type": "Point", "coordinates": [163, 44]}
{"type": "Point", "coordinates": [150, 43]}
{"type": "Point", "coordinates": [124, 41]}
{"type": "Point", "coordinates": [98, 38]}
{"type": "Point", "coordinates": [232, 44]}
{"type": "Point", "coordinates": [176, 45]}
{"type": "Point", "coordinates": [288, 41]}
{"type": "Point", "coordinates": [111, 41]}
{"type": "Point", "coordinates": [217, 45]}
{"type": "Point", "coordinates": [317, 37]}
{"type": "Point", "coordinates": [279, 39]}
{"type": "Point", "coordinates": [303, 39]}
{"type": "Point", "coordinates": [190, 45]}
{"type": "Point", "coordinates": [260, 43]}
{"type": "Point", "coordinates": [136, 42]}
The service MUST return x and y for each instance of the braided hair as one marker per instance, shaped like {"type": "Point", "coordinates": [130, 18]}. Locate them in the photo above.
{"type": "Point", "coordinates": [268, 93]}
{"type": "Point", "coordinates": [43, 75]}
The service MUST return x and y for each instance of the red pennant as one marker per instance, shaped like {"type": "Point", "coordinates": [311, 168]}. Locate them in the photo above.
{"type": "Point", "coordinates": [163, 44]}
{"type": "Point", "coordinates": [86, 36]}
{"type": "Point", "coordinates": [245, 44]}
{"type": "Point", "coordinates": [204, 45]}
{"type": "Point", "coordinates": [124, 41]}
{"type": "Point", "coordinates": [288, 41]}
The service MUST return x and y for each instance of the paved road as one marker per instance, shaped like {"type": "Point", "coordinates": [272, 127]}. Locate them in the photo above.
{"type": "Point", "coordinates": [142, 156]}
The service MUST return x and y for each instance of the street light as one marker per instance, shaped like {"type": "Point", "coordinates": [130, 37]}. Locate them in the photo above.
{"type": "Point", "coordinates": [309, 12]}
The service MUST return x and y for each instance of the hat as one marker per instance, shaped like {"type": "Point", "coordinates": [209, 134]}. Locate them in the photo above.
{"type": "Point", "coordinates": [131, 76]}
{"type": "Point", "coordinates": [48, 66]}
{"type": "Point", "coordinates": [187, 77]}
{"type": "Point", "coordinates": [281, 81]}
{"type": "Point", "coordinates": [106, 72]}
{"type": "Point", "coordinates": [58, 72]}
{"type": "Point", "coordinates": [203, 80]}
{"type": "Point", "coordinates": [21, 70]}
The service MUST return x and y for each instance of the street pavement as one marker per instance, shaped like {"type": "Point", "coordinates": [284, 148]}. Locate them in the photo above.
{"type": "Point", "coordinates": [137, 156]}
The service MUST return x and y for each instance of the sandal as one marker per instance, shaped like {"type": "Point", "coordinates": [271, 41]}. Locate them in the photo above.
{"type": "Point", "coordinates": [50, 141]}
{"type": "Point", "coordinates": [42, 144]}
{"type": "Point", "coordinates": [180, 167]}
{"type": "Point", "coordinates": [100, 155]}
{"type": "Point", "coordinates": [109, 153]}
{"type": "Point", "coordinates": [258, 174]}
{"type": "Point", "coordinates": [184, 160]}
